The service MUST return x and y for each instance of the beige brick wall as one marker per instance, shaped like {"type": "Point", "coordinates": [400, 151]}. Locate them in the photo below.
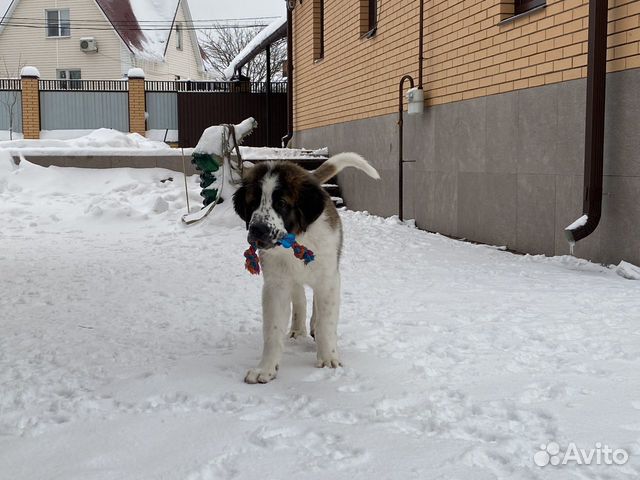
{"type": "Point", "coordinates": [30, 108]}
{"type": "Point", "coordinates": [468, 52]}
{"type": "Point", "coordinates": [137, 106]}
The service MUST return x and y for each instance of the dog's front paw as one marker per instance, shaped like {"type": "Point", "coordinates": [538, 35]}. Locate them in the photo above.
{"type": "Point", "coordinates": [260, 375]}
{"type": "Point", "coordinates": [329, 362]}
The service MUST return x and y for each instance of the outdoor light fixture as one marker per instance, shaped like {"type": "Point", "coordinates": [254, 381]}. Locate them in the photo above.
{"type": "Point", "coordinates": [415, 99]}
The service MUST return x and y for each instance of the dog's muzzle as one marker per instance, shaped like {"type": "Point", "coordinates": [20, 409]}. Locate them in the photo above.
{"type": "Point", "coordinates": [262, 235]}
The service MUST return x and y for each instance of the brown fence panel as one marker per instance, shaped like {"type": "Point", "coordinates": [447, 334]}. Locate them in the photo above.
{"type": "Point", "coordinates": [199, 110]}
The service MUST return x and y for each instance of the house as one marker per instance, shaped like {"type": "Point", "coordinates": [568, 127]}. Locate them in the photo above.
{"type": "Point", "coordinates": [99, 39]}
{"type": "Point", "coordinates": [498, 155]}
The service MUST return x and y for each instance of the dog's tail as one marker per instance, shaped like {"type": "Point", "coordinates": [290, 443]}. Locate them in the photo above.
{"type": "Point", "coordinates": [335, 164]}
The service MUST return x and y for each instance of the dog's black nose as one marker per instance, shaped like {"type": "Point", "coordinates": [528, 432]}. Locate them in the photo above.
{"type": "Point", "coordinates": [259, 233]}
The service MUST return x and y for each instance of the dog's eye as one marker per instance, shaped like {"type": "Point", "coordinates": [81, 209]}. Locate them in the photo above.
{"type": "Point", "coordinates": [281, 203]}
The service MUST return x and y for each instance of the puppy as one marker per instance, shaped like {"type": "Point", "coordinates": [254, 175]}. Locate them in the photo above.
{"type": "Point", "coordinates": [277, 198]}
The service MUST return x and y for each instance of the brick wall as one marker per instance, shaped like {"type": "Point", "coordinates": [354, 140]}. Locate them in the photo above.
{"type": "Point", "coordinates": [468, 52]}
{"type": "Point", "coordinates": [30, 108]}
{"type": "Point", "coordinates": [137, 122]}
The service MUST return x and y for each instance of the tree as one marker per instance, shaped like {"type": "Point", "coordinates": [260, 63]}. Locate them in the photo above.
{"type": "Point", "coordinates": [9, 98]}
{"type": "Point", "coordinates": [221, 45]}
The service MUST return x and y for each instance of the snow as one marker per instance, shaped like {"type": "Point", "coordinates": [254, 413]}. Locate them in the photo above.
{"type": "Point", "coordinates": [268, 153]}
{"type": "Point", "coordinates": [126, 336]}
{"type": "Point", "coordinates": [135, 73]}
{"type": "Point", "coordinates": [30, 72]}
{"type": "Point", "coordinates": [581, 222]}
{"type": "Point", "coordinates": [152, 13]}
{"type": "Point", "coordinates": [628, 270]}
{"type": "Point", "coordinates": [213, 138]}
{"type": "Point", "coordinates": [257, 40]}
{"type": "Point", "coordinates": [89, 142]}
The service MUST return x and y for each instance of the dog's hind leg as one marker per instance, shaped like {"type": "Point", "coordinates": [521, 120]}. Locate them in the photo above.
{"type": "Point", "coordinates": [299, 313]}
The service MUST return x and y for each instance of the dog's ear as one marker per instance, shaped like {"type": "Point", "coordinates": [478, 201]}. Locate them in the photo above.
{"type": "Point", "coordinates": [240, 204]}
{"type": "Point", "coordinates": [310, 203]}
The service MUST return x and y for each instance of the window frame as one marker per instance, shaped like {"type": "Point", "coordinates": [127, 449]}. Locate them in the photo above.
{"type": "Point", "coordinates": [318, 30]}
{"type": "Point", "coordinates": [372, 15]}
{"type": "Point", "coordinates": [66, 82]}
{"type": "Point", "coordinates": [524, 6]}
{"type": "Point", "coordinates": [61, 24]}
{"type": "Point", "coordinates": [179, 36]}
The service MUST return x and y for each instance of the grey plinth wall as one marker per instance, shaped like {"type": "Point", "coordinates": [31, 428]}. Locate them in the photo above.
{"type": "Point", "coordinates": [505, 169]}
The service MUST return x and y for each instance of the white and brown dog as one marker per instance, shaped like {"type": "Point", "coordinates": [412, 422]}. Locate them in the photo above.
{"type": "Point", "coordinates": [277, 198]}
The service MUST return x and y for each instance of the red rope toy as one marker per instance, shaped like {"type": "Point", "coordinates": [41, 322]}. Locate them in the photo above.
{"type": "Point", "coordinates": [252, 262]}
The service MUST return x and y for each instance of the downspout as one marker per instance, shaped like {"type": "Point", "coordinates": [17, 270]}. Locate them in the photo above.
{"type": "Point", "coordinates": [291, 4]}
{"type": "Point", "coordinates": [408, 78]}
{"type": "Point", "coordinates": [594, 131]}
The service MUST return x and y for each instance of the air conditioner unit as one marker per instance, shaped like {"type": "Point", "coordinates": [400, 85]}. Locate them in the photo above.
{"type": "Point", "coordinates": [88, 44]}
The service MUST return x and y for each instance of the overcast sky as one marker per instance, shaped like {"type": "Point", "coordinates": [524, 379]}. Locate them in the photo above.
{"type": "Point", "coordinates": [216, 9]}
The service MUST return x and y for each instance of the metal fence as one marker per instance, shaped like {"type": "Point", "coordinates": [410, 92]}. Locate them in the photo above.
{"type": "Point", "coordinates": [64, 110]}
{"type": "Point", "coordinates": [219, 87]}
{"type": "Point", "coordinates": [84, 85]}
{"type": "Point", "coordinates": [162, 108]}
{"type": "Point", "coordinates": [10, 105]}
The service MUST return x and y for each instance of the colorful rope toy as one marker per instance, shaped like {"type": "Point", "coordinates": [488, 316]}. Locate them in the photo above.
{"type": "Point", "coordinates": [252, 262]}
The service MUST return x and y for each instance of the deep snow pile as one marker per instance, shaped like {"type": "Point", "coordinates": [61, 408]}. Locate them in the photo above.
{"type": "Point", "coordinates": [90, 142]}
{"type": "Point", "coordinates": [125, 338]}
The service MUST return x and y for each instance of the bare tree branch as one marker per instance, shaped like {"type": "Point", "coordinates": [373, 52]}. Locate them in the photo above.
{"type": "Point", "coordinates": [221, 45]}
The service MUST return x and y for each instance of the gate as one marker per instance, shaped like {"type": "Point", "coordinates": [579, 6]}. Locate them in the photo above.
{"type": "Point", "coordinates": [203, 104]}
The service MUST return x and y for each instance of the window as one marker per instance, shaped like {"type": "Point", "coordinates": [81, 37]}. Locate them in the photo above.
{"type": "Point", "coordinates": [178, 36]}
{"type": "Point", "coordinates": [318, 29]}
{"type": "Point", "coordinates": [69, 79]}
{"type": "Point", "coordinates": [368, 17]}
{"type": "Point", "coordinates": [58, 24]}
{"type": "Point", "coordinates": [522, 6]}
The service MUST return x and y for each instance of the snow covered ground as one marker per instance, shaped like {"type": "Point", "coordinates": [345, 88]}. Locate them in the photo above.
{"type": "Point", "coordinates": [126, 336]}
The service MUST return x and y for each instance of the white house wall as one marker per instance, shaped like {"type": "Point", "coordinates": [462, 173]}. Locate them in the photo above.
{"type": "Point", "coordinates": [31, 46]}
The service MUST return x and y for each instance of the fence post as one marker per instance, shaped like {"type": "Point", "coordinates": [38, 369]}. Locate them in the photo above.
{"type": "Point", "coordinates": [137, 101]}
{"type": "Point", "coordinates": [30, 77]}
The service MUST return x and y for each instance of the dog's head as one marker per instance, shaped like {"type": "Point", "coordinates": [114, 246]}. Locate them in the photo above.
{"type": "Point", "coordinates": [277, 198]}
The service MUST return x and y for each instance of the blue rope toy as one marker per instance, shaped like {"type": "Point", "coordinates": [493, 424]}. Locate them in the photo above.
{"type": "Point", "coordinates": [252, 262]}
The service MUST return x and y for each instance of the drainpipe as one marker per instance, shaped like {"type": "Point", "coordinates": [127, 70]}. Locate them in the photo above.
{"type": "Point", "coordinates": [594, 132]}
{"type": "Point", "coordinates": [416, 105]}
{"type": "Point", "coordinates": [291, 4]}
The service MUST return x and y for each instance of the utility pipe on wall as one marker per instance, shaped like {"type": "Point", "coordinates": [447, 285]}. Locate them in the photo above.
{"type": "Point", "coordinates": [291, 4]}
{"type": "Point", "coordinates": [414, 97]}
{"type": "Point", "coordinates": [594, 131]}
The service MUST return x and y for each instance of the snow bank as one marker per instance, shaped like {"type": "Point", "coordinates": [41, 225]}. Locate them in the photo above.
{"type": "Point", "coordinates": [135, 73]}
{"type": "Point", "coordinates": [267, 153]}
{"type": "Point", "coordinates": [103, 141]}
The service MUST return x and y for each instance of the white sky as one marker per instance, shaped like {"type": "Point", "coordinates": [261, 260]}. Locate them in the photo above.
{"type": "Point", "coordinates": [215, 9]}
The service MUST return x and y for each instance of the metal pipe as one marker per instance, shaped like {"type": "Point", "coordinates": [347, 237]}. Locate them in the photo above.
{"type": "Point", "coordinates": [268, 99]}
{"type": "Point", "coordinates": [421, 46]}
{"type": "Point", "coordinates": [285, 140]}
{"type": "Point", "coordinates": [400, 144]}
{"type": "Point", "coordinates": [594, 130]}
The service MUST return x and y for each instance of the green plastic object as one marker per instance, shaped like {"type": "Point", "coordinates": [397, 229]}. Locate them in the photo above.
{"type": "Point", "coordinates": [207, 165]}
{"type": "Point", "coordinates": [206, 162]}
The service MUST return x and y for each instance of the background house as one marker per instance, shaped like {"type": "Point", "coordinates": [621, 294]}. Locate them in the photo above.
{"type": "Point", "coordinates": [99, 39]}
{"type": "Point", "coordinates": [499, 150]}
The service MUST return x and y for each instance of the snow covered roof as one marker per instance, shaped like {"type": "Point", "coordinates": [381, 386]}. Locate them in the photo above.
{"type": "Point", "coordinates": [272, 32]}
{"type": "Point", "coordinates": [6, 8]}
{"type": "Point", "coordinates": [154, 17]}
